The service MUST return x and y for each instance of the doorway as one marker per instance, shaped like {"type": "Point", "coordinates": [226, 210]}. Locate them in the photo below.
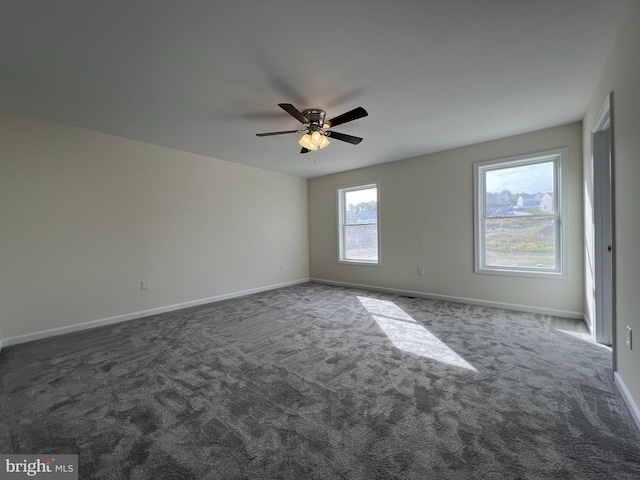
{"type": "Point", "coordinates": [603, 217]}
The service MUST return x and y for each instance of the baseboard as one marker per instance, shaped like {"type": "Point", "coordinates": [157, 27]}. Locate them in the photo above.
{"type": "Point", "coordinates": [628, 399]}
{"type": "Point", "coordinates": [448, 298]}
{"type": "Point", "coordinates": [145, 313]}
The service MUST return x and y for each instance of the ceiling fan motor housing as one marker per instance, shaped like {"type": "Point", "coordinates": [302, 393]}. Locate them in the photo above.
{"type": "Point", "coordinates": [316, 118]}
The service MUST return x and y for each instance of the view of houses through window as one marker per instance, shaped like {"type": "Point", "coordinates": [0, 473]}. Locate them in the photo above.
{"type": "Point", "coordinates": [518, 224]}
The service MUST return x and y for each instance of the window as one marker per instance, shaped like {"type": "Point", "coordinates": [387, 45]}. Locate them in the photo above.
{"type": "Point", "coordinates": [358, 224]}
{"type": "Point", "coordinates": [519, 217]}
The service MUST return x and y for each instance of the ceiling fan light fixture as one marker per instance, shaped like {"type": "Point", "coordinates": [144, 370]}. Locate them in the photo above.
{"type": "Point", "coordinates": [324, 142]}
{"type": "Point", "coordinates": [307, 142]}
{"type": "Point", "coordinates": [316, 138]}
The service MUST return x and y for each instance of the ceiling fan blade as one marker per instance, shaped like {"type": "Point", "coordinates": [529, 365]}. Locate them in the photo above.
{"type": "Point", "coordinates": [268, 134]}
{"type": "Point", "coordinates": [351, 115]}
{"type": "Point", "coordinates": [294, 112]}
{"type": "Point", "coordinates": [344, 137]}
{"type": "Point", "coordinates": [304, 150]}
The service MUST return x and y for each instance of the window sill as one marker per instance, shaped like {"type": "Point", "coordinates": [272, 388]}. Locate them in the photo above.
{"type": "Point", "coordinates": [521, 273]}
{"type": "Point", "coordinates": [359, 262]}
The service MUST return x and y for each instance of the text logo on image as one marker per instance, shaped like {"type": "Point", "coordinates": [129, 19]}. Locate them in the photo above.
{"type": "Point", "coordinates": [50, 467]}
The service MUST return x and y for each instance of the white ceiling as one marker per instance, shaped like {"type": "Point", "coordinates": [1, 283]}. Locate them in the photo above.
{"type": "Point", "coordinates": [205, 76]}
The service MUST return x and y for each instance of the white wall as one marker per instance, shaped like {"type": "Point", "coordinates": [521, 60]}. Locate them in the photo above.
{"type": "Point", "coordinates": [622, 76]}
{"type": "Point", "coordinates": [426, 220]}
{"type": "Point", "coordinates": [84, 217]}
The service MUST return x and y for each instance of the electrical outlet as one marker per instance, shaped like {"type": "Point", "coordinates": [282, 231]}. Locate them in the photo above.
{"type": "Point", "coordinates": [421, 271]}
{"type": "Point", "coordinates": [144, 285]}
{"type": "Point", "coordinates": [629, 338]}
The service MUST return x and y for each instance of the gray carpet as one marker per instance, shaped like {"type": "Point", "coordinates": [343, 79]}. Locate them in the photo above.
{"type": "Point", "coordinates": [322, 382]}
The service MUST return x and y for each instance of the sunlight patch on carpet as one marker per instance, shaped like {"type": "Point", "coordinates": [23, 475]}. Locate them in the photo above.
{"type": "Point", "coordinates": [408, 335]}
{"type": "Point", "coordinates": [585, 337]}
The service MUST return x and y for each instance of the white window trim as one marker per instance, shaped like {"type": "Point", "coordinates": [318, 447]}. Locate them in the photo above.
{"type": "Point", "coordinates": [342, 213]}
{"type": "Point", "coordinates": [561, 240]}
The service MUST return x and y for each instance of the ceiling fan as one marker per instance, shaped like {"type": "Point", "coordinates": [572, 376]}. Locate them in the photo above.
{"type": "Point", "coordinates": [316, 128]}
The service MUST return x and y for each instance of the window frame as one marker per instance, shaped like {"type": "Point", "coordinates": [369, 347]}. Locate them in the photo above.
{"type": "Point", "coordinates": [341, 193]}
{"type": "Point", "coordinates": [559, 157]}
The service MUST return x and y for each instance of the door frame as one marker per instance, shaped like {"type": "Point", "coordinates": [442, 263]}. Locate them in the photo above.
{"type": "Point", "coordinates": [604, 259]}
